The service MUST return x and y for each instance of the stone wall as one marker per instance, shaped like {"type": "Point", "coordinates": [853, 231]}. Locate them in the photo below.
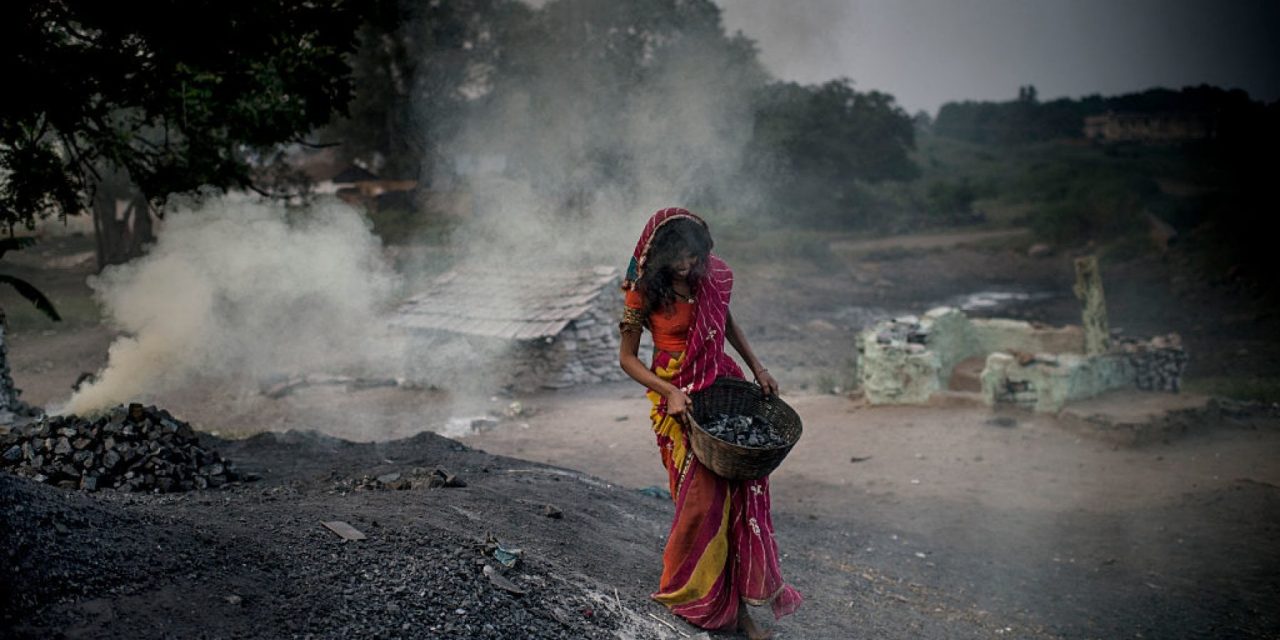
{"type": "Point", "coordinates": [586, 352]}
{"type": "Point", "coordinates": [908, 359]}
{"type": "Point", "coordinates": [894, 364]}
{"type": "Point", "coordinates": [1046, 382]}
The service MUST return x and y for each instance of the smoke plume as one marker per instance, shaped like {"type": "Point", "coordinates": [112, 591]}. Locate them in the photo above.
{"type": "Point", "coordinates": [568, 157]}
{"type": "Point", "coordinates": [239, 292]}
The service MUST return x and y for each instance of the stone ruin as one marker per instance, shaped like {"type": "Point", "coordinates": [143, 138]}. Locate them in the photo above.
{"type": "Point", "coordinates": [132, 448]}
{"type": "Point", "coordinates": [907, 360]}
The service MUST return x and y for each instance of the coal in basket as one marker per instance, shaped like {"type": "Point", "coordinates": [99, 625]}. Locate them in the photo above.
{"type": "Point", "coordinates": [736, 397]}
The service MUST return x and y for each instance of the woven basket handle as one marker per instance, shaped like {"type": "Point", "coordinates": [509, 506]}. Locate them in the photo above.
{"type": "Point", "coordinates": [686, 419]}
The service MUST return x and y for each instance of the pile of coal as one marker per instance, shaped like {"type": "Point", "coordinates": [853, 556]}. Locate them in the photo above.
{"type": "Point", "coordinates": [132, 448]}
{"type": "Point", "coordinates": [1158, 363]}
{"type": "Point", "coordinates": [746, 431]}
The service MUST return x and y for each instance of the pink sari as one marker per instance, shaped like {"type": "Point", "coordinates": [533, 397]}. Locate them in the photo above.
{"type": "Point", "coordinates": [721, 547]}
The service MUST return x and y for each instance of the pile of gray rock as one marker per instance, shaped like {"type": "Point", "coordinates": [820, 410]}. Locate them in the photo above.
{"type": "Point", "coordinates": [1157, 363]}
{"type": "Point", "coordinates": [132, 448]}
{"type": "Point", "coordinates": [744, 431]}
{"type": "Point", "coordinates": [903, 330]}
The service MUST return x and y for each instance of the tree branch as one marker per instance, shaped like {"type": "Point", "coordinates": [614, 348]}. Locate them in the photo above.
{"type": "Point", "coordinates": [316, 145]}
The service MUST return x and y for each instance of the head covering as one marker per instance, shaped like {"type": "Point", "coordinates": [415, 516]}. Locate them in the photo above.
{"type": "Point", "coordinates": [704, 358]}
{"type": "Point", "coordinates": [641, 253]}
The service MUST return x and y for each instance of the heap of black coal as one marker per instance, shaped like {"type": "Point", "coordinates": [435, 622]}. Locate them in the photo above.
{"type": "Point", "coordinates": [132, 448]}
{"type": "Point", "coordinates": [747, 431]}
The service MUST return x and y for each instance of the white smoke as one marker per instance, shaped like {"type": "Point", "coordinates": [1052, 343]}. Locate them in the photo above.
{"type": "Point", "coordinates": [238, 292]}
{"type": "Point", "coordinates": [580, 152]}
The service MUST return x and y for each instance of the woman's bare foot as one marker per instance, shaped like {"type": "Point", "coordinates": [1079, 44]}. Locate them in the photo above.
{"type": "Point", "coordinates": [749, 626]}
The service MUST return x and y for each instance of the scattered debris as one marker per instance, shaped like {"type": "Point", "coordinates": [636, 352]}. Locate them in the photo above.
{"type": "Point", "coordinates": [508, 557]}
{"type": "Point", "coordinates": [344, 530]}
{"type": "Point", "coordinates": [668, 624]}
{"type": "Point", "coordinates": [552, 511]}
{"type": "Point", "coordinates": [416, 478]}
{"type": "Point", "coordinates": [501, 582]}
{"type": "Point", "coordinates": [654, 491]}
{"type": "Point", "coordinates": [441, 478]}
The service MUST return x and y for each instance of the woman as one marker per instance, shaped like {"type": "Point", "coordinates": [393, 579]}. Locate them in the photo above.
{"type": "Point", "coordinates": [720, 553]}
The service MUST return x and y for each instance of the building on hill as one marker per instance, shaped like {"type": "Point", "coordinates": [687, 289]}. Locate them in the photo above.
{"type": "Point", "coordinates": [1149, 128]}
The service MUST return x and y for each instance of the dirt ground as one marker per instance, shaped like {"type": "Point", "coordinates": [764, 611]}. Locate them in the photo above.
{"type": "Point", "coordinates": [895, 522]}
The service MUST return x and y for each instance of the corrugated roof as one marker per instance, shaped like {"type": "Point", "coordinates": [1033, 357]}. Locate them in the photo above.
{"type": "Point", "coordinates": [508, 304]}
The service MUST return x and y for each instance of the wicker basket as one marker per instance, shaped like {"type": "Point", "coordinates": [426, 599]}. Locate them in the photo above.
{"type": "Point", "coordinates": [738, 397]}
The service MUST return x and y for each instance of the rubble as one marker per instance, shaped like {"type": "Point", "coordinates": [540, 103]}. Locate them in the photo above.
{"type": "Point", "coordinates": [908, 359]}
{"type": "Point", "coordinates": [415, 478]}
{"type": "Point", "coordinates": [132, 448]}
{"type": "Point", "coordinates": [1157, 364]}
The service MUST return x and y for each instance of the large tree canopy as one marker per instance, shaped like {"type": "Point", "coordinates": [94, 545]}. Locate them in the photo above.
{"type": "Point", "coordinates": [415, 69]}
{"type": "Point", "coordinates": [175, 93]}
{"type": "Point", "coordinates": [814, 144]}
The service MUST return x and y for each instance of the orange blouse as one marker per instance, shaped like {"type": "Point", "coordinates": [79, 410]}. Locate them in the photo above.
{"type": "Point", "coordinates": [670, 328]}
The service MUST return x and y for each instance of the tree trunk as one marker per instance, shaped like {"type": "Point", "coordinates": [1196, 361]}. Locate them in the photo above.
{"type": "Point", "coordinates": [8, 392]}
{"type": "Point", "coordinates": [121, 224]}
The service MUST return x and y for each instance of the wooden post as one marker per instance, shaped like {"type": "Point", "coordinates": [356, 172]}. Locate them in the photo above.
{"type": "Point", "coordinates": [1088, 289]}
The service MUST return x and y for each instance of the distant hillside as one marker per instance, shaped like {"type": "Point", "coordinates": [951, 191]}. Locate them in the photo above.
{"type": "Point", "coordinates": [1202, 112]}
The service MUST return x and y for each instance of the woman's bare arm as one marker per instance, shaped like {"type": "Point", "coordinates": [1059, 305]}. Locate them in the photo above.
{"type": "Point", "coordinates": [629, 360]}
{"type": "Point", "coordinates": [739, 341]}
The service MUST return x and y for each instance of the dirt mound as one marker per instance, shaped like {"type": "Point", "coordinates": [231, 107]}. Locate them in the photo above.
{"type": "Point", "coordinates": [256, 560]}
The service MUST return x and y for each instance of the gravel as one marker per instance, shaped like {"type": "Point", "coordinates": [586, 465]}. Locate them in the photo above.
{"type": "Point", "coordinates": [252, 560]}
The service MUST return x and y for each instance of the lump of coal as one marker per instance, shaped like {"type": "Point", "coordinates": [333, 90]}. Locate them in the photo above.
{"type": "Point", "coordinates": [133, 448]}
{"type": "Point", "coordinates": [746, 431]}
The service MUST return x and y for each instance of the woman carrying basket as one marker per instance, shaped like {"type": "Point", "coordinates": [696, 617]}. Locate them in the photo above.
{"type": "Point", "coordinates": [720, 552]}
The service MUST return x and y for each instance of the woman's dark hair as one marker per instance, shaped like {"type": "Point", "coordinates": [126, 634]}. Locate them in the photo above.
{"type": "Point", "coordinates": [669, 243]}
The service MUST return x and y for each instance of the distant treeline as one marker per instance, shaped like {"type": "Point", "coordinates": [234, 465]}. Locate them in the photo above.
{"type": "Point", "coordinates": [1232, 114]}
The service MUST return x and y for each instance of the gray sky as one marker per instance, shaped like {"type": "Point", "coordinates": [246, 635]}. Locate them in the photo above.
{"type": "Point", "coordinates": [927, 52]}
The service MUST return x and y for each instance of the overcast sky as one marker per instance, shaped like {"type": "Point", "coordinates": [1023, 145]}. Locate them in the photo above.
{"type": "Point", "coordinates": [927, 52]}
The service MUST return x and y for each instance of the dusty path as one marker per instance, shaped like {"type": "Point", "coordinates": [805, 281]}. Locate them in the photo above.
{"type": "Point", "coordinates": [953, 517]}
{"type": "Point", "coordinates": [925, 241]}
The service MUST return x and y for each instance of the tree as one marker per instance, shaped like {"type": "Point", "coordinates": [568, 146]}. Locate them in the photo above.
{"type": "Point", "coordinates": [164, 96]}
{"type": "Point", "coordinates": [814, 143]}
{"type": "Point", "coordinates": [591, 99]}
{"type": "Point", "coordinates": [414, 70]}
{"type": "Point", "coordinates": [8, 392]}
